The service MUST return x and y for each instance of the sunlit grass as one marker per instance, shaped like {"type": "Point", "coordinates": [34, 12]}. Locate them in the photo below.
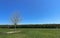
{"type": "Point", "coordinates": [32, 33]}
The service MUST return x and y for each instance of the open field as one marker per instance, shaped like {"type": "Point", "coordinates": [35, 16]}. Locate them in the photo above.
{"type": "Point", "coordinates": [31, 33]}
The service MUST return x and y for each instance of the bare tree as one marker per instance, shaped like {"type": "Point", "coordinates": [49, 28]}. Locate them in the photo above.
{"type": "Point", "coordinates": [15, 19]}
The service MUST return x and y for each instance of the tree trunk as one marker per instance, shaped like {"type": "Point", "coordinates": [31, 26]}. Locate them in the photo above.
{"type": "Point", "coordinates": [15, 26]}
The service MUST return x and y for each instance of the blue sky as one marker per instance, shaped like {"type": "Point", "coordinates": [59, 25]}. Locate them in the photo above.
{"type": "Point", "coordinates": [32, 11]}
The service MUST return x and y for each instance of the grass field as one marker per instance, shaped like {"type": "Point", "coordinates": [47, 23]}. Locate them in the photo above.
{"type": "Point", "coordinates": [31, 33]}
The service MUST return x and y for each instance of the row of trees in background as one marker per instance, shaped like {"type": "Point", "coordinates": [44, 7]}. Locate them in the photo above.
{"type": "Point", "coordinates": [32, 26]}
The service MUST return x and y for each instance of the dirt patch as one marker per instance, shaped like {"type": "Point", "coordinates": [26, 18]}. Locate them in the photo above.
{"type": "Point", "coordinates": [11, 32]}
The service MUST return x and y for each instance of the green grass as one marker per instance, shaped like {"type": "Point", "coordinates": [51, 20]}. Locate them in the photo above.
{"type": "Point", "coordinates": [31, 33]}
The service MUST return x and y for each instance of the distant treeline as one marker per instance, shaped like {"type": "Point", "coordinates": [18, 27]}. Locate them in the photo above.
{"type": "Point", "coordinates": [32, 26]}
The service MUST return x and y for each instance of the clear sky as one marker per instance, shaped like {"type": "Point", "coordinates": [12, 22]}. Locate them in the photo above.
{"type": "Point", "coordinates": [32, 11]}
